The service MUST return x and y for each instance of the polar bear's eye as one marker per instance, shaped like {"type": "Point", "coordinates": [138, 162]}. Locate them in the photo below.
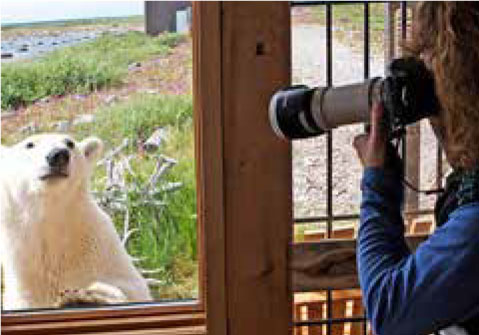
{"type": "Point", "coordinates": [70, 144]}
{"type": "Point", "coordinates": [29, 145]}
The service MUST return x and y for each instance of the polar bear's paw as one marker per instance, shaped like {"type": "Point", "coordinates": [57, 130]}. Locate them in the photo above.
{"type": "Point", "coordinates": [97, 294]}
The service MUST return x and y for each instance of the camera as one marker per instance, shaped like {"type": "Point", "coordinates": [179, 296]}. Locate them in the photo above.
{"type": "Point", "coordinates": [407, 94]}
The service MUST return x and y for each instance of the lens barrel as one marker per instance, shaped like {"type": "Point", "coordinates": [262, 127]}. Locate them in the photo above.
{"type": "Point", "coordinates": [407, 95]}
{"type": "Point", "coordinates": [290, 113]}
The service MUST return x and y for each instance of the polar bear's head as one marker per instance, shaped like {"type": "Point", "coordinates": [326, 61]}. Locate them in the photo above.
{"type": "Point", "coordinates": [51, 163]}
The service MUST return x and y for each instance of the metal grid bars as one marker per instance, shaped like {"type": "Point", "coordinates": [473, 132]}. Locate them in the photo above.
{"type": "Point", "coordinates": [318, 324]}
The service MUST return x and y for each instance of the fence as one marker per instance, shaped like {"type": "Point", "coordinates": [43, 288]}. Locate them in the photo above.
{"type": "Point", "coordinates": [335, 311]}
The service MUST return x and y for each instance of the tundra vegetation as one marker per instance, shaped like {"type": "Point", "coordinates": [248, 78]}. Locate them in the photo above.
{"type": "Point", "coordinates": [119, 87]}
{"type": "Point", "coordinates": [124, 88]}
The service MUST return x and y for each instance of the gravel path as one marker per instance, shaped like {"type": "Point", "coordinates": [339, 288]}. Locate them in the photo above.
{"type": "Point", "coordinates": [309, 156]}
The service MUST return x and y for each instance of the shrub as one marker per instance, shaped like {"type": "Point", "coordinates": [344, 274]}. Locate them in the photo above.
{"type": "Point", "coordinates": [82, 68]}
{"type": "Point", "coordinates": [164, 221]}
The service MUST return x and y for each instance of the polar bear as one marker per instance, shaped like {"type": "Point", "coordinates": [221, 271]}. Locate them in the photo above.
{"type": "Point", "coordinates": [58, 247]}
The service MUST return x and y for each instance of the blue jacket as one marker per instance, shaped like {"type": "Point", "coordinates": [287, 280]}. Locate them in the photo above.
{"type": "Point", "coordinates": [414, 293]}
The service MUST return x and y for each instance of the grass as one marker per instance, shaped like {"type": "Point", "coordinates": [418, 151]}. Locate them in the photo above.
{"type": "Point", "coordinates": [350, 16]}
{"type": "Point", "coordinates": [166, 237]}
{"type": "Point", "coordinates": [81, 68]}
{"type": "Point", "coordinates": [349, 21]}
{"type": "Point", "coordinates": [139, 116]}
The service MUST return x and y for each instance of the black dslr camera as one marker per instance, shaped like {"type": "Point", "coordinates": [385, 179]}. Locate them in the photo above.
{"type": "Point", "coordinates": [407, 94]}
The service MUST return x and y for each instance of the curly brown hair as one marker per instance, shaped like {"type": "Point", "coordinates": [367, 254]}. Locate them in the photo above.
{"type": "Point", "coordinates": [447, 35]}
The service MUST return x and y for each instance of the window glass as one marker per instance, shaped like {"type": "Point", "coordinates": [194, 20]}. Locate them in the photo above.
{"type": "Point", "coordinates": [97, 180]}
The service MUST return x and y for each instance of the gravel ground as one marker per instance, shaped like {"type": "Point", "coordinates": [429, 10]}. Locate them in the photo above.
{"type": "Point", "coordinates": [309, 156]}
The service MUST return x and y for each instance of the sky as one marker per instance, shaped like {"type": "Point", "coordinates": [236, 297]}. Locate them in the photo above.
{"type": "Point", "coordinates": [17, 11]}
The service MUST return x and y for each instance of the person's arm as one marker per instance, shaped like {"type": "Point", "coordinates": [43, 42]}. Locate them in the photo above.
{"type": "Point", "coordinates": [414, 294]}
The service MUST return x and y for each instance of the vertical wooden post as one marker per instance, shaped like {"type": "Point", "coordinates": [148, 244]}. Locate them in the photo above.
{"type": "Point", "coordinates": [257, 165]}
{"type": "Point", "coordinates": [243, 51]}
{"type": "Point", "coordinates": [207, 91]}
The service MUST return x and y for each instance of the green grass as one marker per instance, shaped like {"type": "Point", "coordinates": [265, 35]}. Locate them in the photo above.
{"type": "Point", "coordinates": [350, 16]}
{"type": "Point", "coordinates": [349, 19]}
{"type": "Point", "coordinates": [139, 116]}
{"type": "Point", "coordinates": [81, 68]}
{"type": "Point", "coordinates": [166, 239]}
{"type": "Point", "coordinates": [167, 236]}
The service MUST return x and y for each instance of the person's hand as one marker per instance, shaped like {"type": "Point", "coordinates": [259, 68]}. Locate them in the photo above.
{"type": "Point", "coordinates": [371, 148]}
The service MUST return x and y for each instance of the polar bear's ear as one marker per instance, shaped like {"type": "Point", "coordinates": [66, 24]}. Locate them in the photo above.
{"type": "Point", "coordinates": [92, 148]}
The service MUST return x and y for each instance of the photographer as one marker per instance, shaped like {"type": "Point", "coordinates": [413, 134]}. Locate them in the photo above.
{"type": "Point", "coordinates": [436, 288]}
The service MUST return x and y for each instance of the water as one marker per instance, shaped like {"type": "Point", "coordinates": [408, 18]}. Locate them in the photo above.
{"type": "Point", "coordinates": [39, 41]}
{"type": "Point", "coordinates": [37, 44]}
{"type": "Point", "coordinates": [14, 12]}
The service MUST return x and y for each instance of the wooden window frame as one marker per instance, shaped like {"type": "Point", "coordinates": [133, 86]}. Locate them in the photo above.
{"type": "Point", "coordinates": [241, 55]}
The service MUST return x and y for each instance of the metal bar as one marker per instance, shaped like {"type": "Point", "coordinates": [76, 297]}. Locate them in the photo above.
{"type": "Point", "coordinates": [438, 166]}
{"type": "Point", "coordinates": [330, 217]}
{"type": "Point", "coordinates": [329, 82]}
{"type": "Point", "coordinates": [403, 37]}
{"type": "Point", "coordinates": [403, 20]}
{"type": "Point", "coordinates": [326, 218]}
{"type": "Point", "coordinates": [319, 3]}
{"type": "Point", "coordinates": [366, 40]}
{"type": "Point", "coordinates": [319, 322]}
{"type": "Point", "coordinates": [349, 217]}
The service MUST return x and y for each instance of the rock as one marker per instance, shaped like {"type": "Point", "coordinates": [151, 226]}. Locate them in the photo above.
{"type": "Point", "coordinates": [150, 91]}
{"type": "Point", "coordinates": [110, 99]}
{"type": "Point", "coordinates": [79, 96]}
{"type": "Point", "coordinates": [6, 55]}
{"type": "Point", "coordinates": [62, 126]}
{"type": "Point", "coordinates": [83, 119]}
{"type": "Point", "coordinates": [134, 66]}
{"type": "Point", "coordinates": [44, 100]}
{"type": "Point", "coordinates": [30, 128]}
{"type": "Point", "coordinates": [155, 140]}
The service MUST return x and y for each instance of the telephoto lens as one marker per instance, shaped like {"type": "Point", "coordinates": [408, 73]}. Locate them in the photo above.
{"type": "Point", "coordinates": [300, 112]}
{"type": "Point", "coordinates": [290, 113]}
{"type": "Point", "coordinates": [407, 94]}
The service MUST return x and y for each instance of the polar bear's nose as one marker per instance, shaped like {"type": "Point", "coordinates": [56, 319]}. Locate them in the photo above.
{"type": "Point", "coordinates": [58, 158]}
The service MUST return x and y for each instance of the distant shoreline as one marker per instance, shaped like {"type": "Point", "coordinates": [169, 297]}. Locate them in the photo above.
{"type": "Point", "coordinates": [70, 22]}
{"type": "Point", "coordinates": [28, 40]}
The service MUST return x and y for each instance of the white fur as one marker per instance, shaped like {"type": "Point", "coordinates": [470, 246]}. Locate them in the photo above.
{"type": "Point", "coordinates": [53, 236]}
